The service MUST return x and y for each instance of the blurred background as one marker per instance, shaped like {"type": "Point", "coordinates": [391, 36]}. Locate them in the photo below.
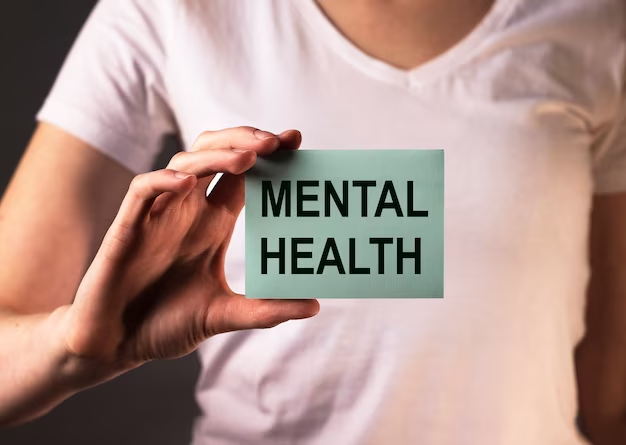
{"type": "Point", "coordinates": [154, 404]}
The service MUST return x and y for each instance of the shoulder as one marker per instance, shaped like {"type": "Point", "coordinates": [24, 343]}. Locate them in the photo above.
{"type": "Point", "coordinates": [586, 19]}
{"type": "Point", "coordinates": [574, 49]}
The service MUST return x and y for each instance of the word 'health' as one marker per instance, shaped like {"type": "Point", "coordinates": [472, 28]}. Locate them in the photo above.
{"type": "Point", "coordinates": [332, 258]}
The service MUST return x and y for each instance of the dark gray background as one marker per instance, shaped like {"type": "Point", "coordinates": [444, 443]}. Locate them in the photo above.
{"type": "Point", "coordinates": [154, 404]}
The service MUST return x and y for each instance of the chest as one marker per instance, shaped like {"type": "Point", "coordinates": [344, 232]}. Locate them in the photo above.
{"type": "Point", "coordinates": [513, 114]}
{"type": "Point", "coordinates": [405, 34]}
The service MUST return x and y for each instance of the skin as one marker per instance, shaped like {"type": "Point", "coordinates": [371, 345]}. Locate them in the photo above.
{"type": "Point", "coordinates": [156, 288]}
{"type": "Point", "coordinates": [405, 33]}
{"type": "Point", "coordinates": [601, 356]}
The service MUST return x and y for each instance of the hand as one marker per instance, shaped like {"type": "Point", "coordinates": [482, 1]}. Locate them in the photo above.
{"type": "Point", "coordinates": [156, 288]}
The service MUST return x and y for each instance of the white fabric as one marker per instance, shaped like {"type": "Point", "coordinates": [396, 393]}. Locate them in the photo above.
{"type": "Point", "coordinates": [528, 109]}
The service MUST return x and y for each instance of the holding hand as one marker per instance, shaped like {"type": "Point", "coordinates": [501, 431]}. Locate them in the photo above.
{"type": "Point", "coordinates": [156, 288]}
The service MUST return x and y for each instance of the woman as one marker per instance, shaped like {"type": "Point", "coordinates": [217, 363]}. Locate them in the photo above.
{"type": "Point", "coordinates": [524, 96]}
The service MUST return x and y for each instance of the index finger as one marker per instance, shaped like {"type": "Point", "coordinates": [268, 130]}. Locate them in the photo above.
{"type": "Point", "coordinates": [229, 192]}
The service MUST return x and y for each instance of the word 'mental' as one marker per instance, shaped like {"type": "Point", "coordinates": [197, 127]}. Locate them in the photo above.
{"type": "Point", "coordinates": [388, 198]}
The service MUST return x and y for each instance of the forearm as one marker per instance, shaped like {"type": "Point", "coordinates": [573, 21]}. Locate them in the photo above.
{"type": "Point", "coordinates": [36, 371]}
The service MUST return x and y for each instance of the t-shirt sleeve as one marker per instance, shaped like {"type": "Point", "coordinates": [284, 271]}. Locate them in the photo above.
{"type": "Point", "coordinates": [609, 161]}
{"type": "Point", "coordinates": [110, 91]}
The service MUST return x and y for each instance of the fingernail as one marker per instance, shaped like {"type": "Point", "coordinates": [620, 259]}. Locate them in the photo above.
{"type": "Point", "coordinates": [287, 131]}
{"type": "Point", "coordinates": [181, 175]}
{"type": "Point", "coordinates": [260, 134]}
{"type": "Point", "coordinates": [240, 150]}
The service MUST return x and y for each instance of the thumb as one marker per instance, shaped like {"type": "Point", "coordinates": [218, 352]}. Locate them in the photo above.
{"type": "Point", "coordinates": [236, 312]}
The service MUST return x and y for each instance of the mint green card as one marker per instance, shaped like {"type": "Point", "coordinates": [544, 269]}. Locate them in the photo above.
{"type": "Point", "coordinates": [345, 224]}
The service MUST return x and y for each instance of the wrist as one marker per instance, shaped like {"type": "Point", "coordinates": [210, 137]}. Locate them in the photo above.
{"type": "Point", "coordinates": [73, 371]}
{"type": "Point", "coordinates": [38, 372]}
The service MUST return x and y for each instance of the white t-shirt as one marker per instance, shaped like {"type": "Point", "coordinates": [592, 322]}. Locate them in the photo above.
{"type": "Point", "coordinates": [527, 108]}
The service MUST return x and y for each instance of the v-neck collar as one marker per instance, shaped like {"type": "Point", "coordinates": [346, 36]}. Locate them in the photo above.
{"type": "Point", "coordinates": [413, 78]}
